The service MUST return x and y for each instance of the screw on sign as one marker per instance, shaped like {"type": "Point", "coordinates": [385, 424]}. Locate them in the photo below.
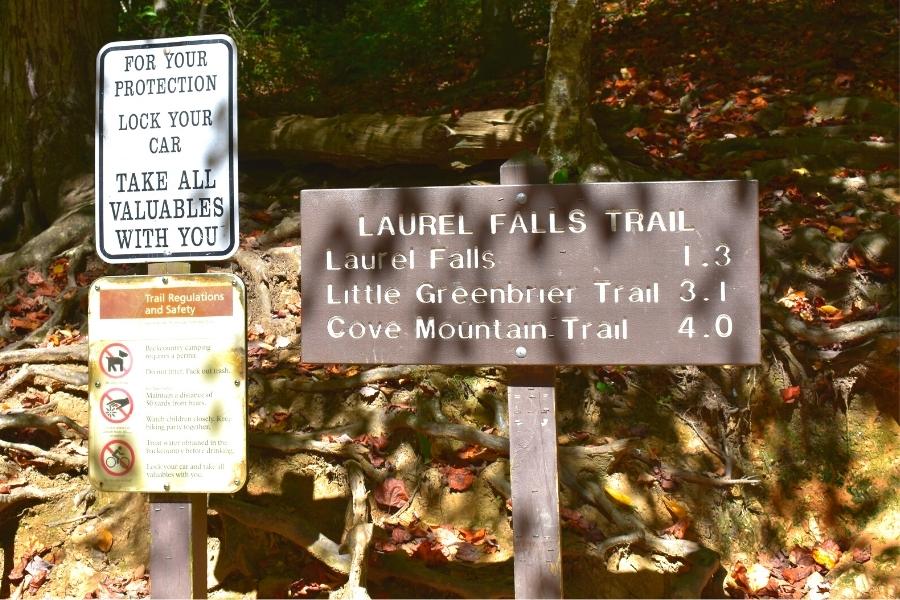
{"type": "Point", "coordinates": [117, 405]}
{"type": "Point", "coordinates": [117, 458]}
{"type": "Point", "coordinates": [115, 360]}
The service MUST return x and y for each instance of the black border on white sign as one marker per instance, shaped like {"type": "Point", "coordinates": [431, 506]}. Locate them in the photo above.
{"type": "Point", "coordinates": [232, 147]}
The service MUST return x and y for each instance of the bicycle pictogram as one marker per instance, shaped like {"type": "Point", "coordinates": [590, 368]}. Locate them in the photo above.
{"type": "Point", "coordinates": [117, 458]}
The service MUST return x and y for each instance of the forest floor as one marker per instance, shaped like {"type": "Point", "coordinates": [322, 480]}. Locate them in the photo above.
{"type": "Point", "coordinates": [786, 474]}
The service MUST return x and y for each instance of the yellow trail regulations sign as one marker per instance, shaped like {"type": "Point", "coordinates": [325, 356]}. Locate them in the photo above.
{"type": "Point", "coordinates": [168, 383]}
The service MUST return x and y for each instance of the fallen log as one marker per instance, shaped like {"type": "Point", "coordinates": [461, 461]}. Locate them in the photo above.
{"type": "Point", "coordinates": [355, 140]}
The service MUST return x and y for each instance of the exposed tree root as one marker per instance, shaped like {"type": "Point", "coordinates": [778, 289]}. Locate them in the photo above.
{"type": "Point", "coordinates": [29, 493]}
{"type": "Point", "coordinates": [468, 581]}
{"type": "Point", "coordinates": [357, 536]}
{"type": "Point", "coordinates": [289, 227]}
{"type": "Point", "coordinates": [311, 442]}
{"type": "Point", "coordinates": [76, 353]}
{"type": "Point", "coordinates": [370, 376]}
{"type": "Point", "coordinates": [63, 234]}
{"type": "Point", "coordinates": [69, 462]}
{"type": "Point", "coordinates": [298, 442]}
{"type": "Point", "coordinates": [49, 424]}
{"type": "Point", "coordinates": [26, 372]}
{"type": "Point", "coordinates": [58, 312]}
{"type": "Point", "coordinates": [850, 333]}
{"type": "Point", "coordinates": [291, 527]}
{"type": "Point", "coordinates": [693, 477]}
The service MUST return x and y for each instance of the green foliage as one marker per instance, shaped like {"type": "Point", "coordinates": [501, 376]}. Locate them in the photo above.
{"type": "Point", "coordinates": [294, 50]}
{"type": "Point", "coordinates": [382, 39]}
{"type": "Point", "coordinates": [272, 50]}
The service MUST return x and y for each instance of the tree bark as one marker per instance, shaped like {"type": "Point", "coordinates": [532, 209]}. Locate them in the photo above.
{"type": "Point", "coordinates": [571, 144]}
{"type": "Point", "coordinates": [47, 61]}
{"type": "Point", "coordinates": [503, 49]}
{"type": "Point", "coordinates": [375, 139]}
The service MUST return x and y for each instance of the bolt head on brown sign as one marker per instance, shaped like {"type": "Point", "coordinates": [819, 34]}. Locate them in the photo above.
{"type": "Point", "coordinates": [167, 370]}
{"type": "Point", "coordinates": [610, 273]}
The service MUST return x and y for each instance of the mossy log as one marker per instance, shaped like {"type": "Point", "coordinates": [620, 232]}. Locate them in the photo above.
{"type": "Point", "coordinates": [354, 140]}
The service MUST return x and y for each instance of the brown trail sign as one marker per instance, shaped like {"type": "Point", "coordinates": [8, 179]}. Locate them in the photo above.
{"type": "Point", "coordinates": [627, 273]}
{"type": "Point", "coordinates": [525, 275]}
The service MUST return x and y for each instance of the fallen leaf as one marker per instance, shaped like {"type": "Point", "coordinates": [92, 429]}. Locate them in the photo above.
{"type": "Point", "coordinates": [37, 580]}
{"type": "Point", "coordinates": [400, 535]}
{"type": "Point", "coordinates": [790, 394]}
{"type": "Point", "coordinates": [302, 589]}
{"type": "Point", "coordinates": [829, 310]}
{"type": "Point", "coordinates": [103, 540]}
{"type": "Point", "coordinates": [801, 557]}
{"type": "Point", "coordinates": [862, 554]}
{"type": "Point", "coordinates": [678, 529]}
{"type": "Point", "coordinates": [476, 452]}
{"type": "Point", "coordinates": [392, 493]}
{"type": "Point", "coordinates": [835, 233]}
{"type": "Point", "coordinates": [459, 479]}
{"type": "Point", "coordinates": [368, 391]}
{"type": "Point", "coordinates": [614, 490]}
{"type": "Point", "coordinates": [430, 552]}
{"type": "Point", "coordinates": [844, 79]}
{"type": "Point", "coordinates": [759, 103]}
{"type": "Point", "coordinates": [794, 574]}
{"type": "Point", "coordinates": [738, 577]}
{"type": "Point", "coordinates": [468, 552]}
{"type": "Point", "coordinates": [678, 510]}
{"type": "Point", "coordinates": [827, 554]}
{"type": "Point", "coordinates": [28, 324]}
{"type": "Point", "coordinates": [757, 577]}
{"type": "Point", "coordinates": [33, 277]}
{"type": "Point", "coordinates": [473, 536]}
{"type": "Point", "coordinates": [636, 132]}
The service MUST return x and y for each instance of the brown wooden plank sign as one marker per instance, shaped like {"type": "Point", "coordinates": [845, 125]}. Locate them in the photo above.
{"type": "Point", "coordinates": [525, 275]}
{"type": "Point", "coordinates": [168, 383]}
{"type": "Point", "coordinates": [609, 273]}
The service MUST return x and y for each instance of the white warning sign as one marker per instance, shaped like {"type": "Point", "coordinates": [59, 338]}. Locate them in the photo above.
{"type": "Point", "coordinates": [166, 150]}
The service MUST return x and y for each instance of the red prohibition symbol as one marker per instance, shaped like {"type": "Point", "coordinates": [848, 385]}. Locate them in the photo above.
{"type": "Point", "coordinates": [117, 458]}
{"type": "Point", "coordinates": [116, 405]}
{"type": "Point", "coordinates": [115, 360]}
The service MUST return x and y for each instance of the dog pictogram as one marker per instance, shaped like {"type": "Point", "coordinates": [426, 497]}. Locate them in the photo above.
{"type": "Point", "coordinates": [115, 360]}
{"type": "Point", "coordinates": [116, 363]}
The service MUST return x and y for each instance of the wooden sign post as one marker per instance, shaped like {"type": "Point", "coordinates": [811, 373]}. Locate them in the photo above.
{"type": "Point", "coordinates": [533, 470]}
{"type": "Point", "coordinates": [168, 351]}
{"type": "Point", "coordinates": [532, 276]}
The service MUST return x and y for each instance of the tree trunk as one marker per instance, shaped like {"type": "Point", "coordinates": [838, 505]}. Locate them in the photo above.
{"type": "Point", "coordinates": [571, 144]}
{"type": "Point", "coordinates": [503, 49]}
{"type": "Point", "coordinates": [48, 54]}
